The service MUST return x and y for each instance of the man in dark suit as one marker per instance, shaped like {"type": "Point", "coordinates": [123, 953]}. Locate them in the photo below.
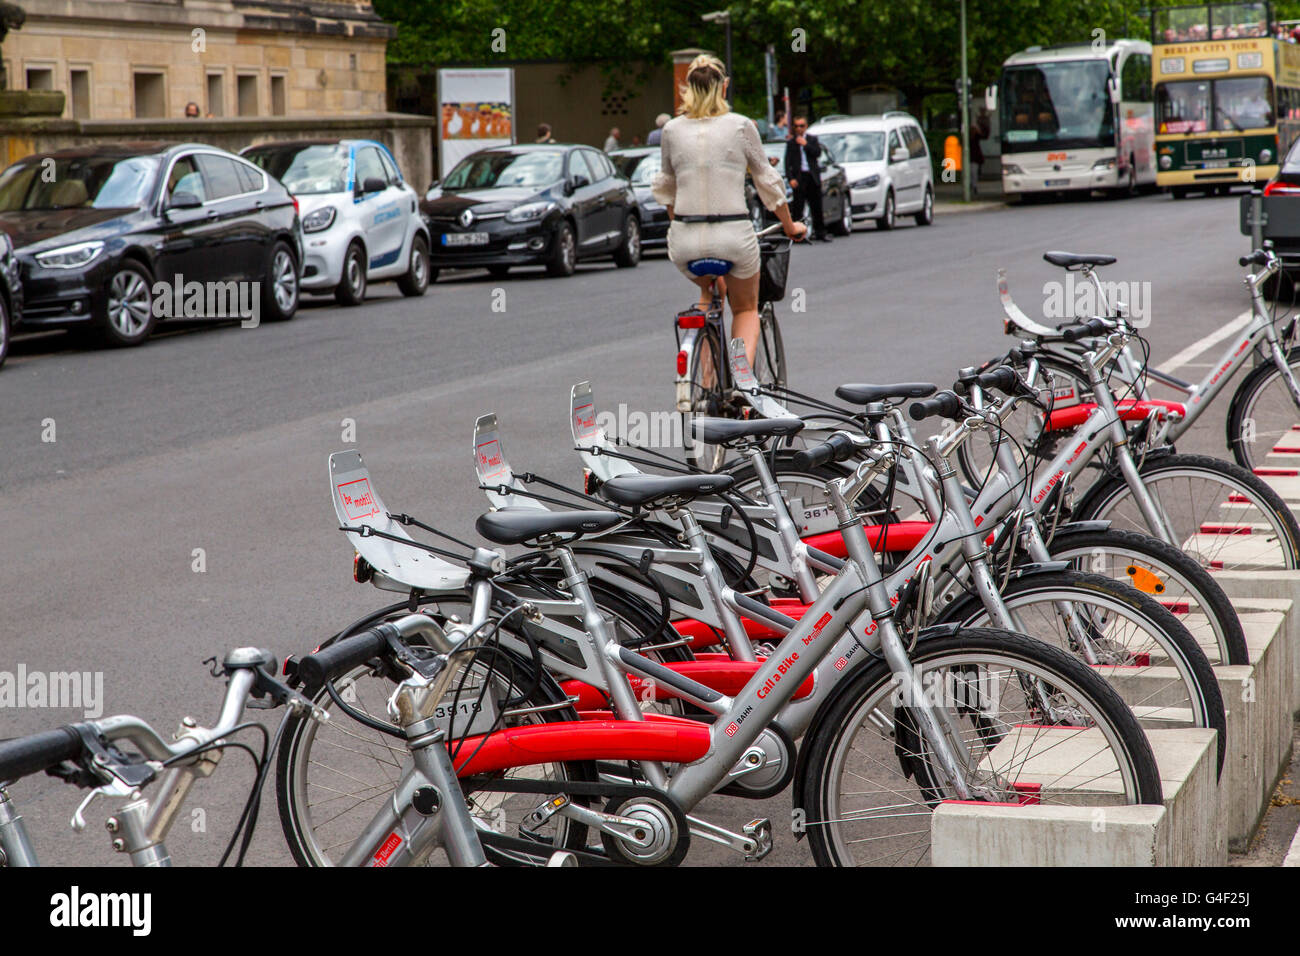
{"type": "Point", "coordinates": [801, 154]}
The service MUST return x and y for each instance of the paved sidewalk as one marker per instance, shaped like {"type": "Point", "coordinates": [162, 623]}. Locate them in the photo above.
{"type": "Point", "coordinates": [948, 198]}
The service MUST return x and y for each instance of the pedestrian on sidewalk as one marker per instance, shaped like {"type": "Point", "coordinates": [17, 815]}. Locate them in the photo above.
{"type": "Point", "coordinates": [657, 133]}
{"type": "Point", "coordinates": [802, 151]}
{"type": "Point", "coordinates": [611, 141]}
{"type": "Point", "coordinates": [544, 133]}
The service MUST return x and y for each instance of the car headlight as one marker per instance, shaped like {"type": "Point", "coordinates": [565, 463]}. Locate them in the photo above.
{"type": "Point", "coordinates": [1104, 163]}
{"type": "Point", "coordinates": [529, 211]}
{"type": "Point", "coordinates": [70, 257]}
{"type": "Point", "coordinates": [871, 182]}
{"type": "Point", "coordinates": [1166, 162]}
{"type": "Point", "coordinates": [319, 219]}
{"type": "Point", "coordinates": [1011, 169]}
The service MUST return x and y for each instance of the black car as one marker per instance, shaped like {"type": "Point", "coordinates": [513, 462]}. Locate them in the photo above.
{"type": "Point", "coordinates": [639, 165]}
{"type": "Point", "coordinates": [837, 208]}
{"type": "Point", "coordinates": [97, 229]}
{"type": "Point", "coordinates": [539, 204]}
{"type": "Point", "coordinates": [11, 293]}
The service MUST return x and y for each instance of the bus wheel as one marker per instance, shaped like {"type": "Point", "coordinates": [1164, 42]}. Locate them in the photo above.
{"type": "Point", "coordinates": [1179, 192]}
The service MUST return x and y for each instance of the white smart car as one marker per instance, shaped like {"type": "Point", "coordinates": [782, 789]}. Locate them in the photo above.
{"type": "Point", "coordinates": [361, 222]}
{"type": "Point", "coordinates": [888, 166]}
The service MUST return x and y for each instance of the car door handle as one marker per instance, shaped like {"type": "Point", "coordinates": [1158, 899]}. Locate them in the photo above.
{"type": "Point", "coordinates": [212, 214]}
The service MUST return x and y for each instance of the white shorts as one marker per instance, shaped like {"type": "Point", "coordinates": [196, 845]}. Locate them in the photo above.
{"type": "Point", "coordinates": [733, 240]}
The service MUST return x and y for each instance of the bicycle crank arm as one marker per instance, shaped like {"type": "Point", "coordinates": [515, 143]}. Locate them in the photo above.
{"type": "Point", "coordinates": [754, 840]}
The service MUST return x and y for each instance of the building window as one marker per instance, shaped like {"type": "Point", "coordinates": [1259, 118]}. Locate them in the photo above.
{"type": "Point", "coordinates": [216, 94]}
{"type": "Point", "coordinates": [79, 94]}
{"type": "Point", "coordinates": [40, 78]}
{"type": "Point", "coordinates": [246, 89]}
{"type": "Point", "coordinates": [277, 96]}
{"type": "Point", "coordinates": [150, 95]}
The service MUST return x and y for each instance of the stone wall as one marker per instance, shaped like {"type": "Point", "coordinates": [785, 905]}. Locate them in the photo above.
{"type": "Point", "coordinates": [407, 136]}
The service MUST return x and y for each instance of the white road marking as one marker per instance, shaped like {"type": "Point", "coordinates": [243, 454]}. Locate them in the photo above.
{"type": "Point", "coordinates": [1201, 344]}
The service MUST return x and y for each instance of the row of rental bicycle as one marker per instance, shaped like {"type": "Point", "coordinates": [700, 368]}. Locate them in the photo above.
{"type": "Point", "coordinates": [868, 619]}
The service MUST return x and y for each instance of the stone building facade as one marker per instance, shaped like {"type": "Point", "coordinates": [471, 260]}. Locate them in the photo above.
{"type": "Point", "coordinates": [137, 59]}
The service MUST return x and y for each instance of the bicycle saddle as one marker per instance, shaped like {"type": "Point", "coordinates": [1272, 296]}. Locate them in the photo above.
{"type": "Point", "coordinates": [866, 394]}
{"type": "Point", "coordinates": [708, 267]}
{"type": "Point", "coordinates": [1072, 260]}
{"type": "Point", "coordinates": [517, 525]}
{"type": "Point", "coordinates": [720, 431]}
{"type": "Point", "coordinates": [637, 490]}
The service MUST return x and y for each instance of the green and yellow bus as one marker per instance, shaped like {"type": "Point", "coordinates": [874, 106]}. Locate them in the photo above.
{"type": "Point", "coordinates": [1227, 95]}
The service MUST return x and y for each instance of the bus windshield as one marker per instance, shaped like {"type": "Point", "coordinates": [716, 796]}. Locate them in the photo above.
{"type": "Point", "coordinates": [1056, 105]}
{"type": "Point", "coordinates": [1233, 105]}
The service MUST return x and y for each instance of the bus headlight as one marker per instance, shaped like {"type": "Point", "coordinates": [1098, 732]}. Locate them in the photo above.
{"type": "Point", "coordinates": [1166, 162]}
{"type": "Point", "coordinates": [1104, 163]}
{"type": "Point", "coordinates": [1265, 155]}
{"type": "Point", "coordinates": [1011, 169]}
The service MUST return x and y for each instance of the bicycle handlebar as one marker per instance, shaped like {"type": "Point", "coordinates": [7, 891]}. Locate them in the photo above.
{"type": "Point", "coordinates": [27, 755]}
{"type": "Point", "coordinates": [1260, 257]}
{"type": "Point", "coordinates": [945, 405]}
{"type": "Point", "coordinates": [1085, 329]}
{"type": "Point", "coordinates": [329, 662]}
{"type": "Point", "coordinates": [839, 447]}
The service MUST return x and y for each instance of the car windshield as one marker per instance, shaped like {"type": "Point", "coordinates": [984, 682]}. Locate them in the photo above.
{"type": "Point", "coordinates": [95, 182]}
{"type": "Point", "coordinates": [855, 147]}
{"type": "Point", "coordinates": [1056, 105]}
{"type": "Point", "coordinates": [488, 170]}
{"type": "Point", "coordinates": [305, 170]}
{"type": "Point", "coordinates": [639, 169]}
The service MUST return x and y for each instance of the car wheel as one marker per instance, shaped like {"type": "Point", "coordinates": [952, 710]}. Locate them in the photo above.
{"type": "Point", "coordinates": [564, 252]}
{"type": "Point", "coordinates": [417, 277]}
{"type": "Point", "coordinates": [498, 271]}
{"type": "Point", "coordinates": [280, 290]}
{"type": "Point", "coordinates": [926, 215]}
{"type": "Point", "coordinates": [351, 289]}
{"type": "Point", "coordinates": [886, 220]}
{"type": "Point", "coordinates": [128, 315]}
{"type": "Point", "coordinates": [4, 331]}
{"type": "Point", "coordinates": [844, 225]}
{"type": "Point", "coordinates": [628, 253]}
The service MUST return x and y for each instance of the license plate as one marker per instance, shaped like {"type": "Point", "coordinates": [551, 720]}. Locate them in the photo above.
{"type": "Point", "coordinates": [466, 717]}
{"type": "Point", "coordinates": [465, 239]}
{"type": "Point", "coordinates": [1056, 182]}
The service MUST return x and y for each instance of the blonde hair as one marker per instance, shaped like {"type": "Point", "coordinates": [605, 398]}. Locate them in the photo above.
{"type": "Point", "coordinates": [702, 94]}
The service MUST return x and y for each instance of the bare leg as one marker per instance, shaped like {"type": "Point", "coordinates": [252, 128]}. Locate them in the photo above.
{"type": "Point", "coordinates": [706, 291]}
{"type": "Point", "coordinates": [743, 296]}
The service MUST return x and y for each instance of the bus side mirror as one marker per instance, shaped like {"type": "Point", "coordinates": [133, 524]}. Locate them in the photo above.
{"type": "Point", "coordinates": [1112, 88]}
{"type": "Point", "coordinates": [991, 99]}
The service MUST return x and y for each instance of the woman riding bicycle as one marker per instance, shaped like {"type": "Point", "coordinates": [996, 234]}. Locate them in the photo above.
{"type": "Point", "coordinates": [705, 153]}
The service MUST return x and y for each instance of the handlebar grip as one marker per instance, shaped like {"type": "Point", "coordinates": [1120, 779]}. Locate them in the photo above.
{"type": "Point", "coordinates": [28, 755]}
{"type": "Point", "coordinates": [836, 448]}
{"type": "Point", "coordinates": [1257, 258]}
{"type": "Point", "coordinates": [1002, 378]}
{"type": "Point", "coordinates": [945, 405]}
{"type": "Point", "coordinates": [1072, 333]}
{"type": "Point", "coordinates": [329, 662]}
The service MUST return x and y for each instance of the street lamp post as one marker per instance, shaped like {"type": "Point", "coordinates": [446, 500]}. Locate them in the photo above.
{"type": "Point", "coordinates": [964, 95]}
{"type": "Point", "coordinates": [724, 17]}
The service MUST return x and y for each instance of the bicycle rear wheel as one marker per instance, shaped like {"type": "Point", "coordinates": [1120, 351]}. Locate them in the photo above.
{"type": "Point", "coordinates": [1030, 724]}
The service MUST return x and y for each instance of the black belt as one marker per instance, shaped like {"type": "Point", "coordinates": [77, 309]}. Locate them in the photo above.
{"type": "Point", "coordinates": [726, 217]}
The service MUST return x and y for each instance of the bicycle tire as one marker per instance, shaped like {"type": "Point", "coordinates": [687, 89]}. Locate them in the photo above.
{"type": "Point", "coordinates": [769, 357]}
{"type": "Point", "coordinates": [1104, 497]}
{"type": "Point", "coordinates": [704, 400]}
{"type": "Point", "coordinates": [1243, 441]}
{"type": "Point", "coordinates": [869, 691]}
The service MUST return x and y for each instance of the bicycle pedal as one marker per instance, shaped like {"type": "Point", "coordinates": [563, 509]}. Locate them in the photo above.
{"type": "Point", "coordinates": [761, 832]}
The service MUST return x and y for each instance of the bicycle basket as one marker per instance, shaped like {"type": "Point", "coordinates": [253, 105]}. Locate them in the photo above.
{"type": "Point", "coordinates": [774, 269]}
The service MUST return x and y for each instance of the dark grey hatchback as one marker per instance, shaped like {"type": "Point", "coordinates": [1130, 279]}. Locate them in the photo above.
{"type": "Point", "coordinates": [98, 231]}
{"type": "Point", "coordinates": [536, 204]}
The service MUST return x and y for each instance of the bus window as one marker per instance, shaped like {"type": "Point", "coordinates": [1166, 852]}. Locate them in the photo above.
{"type": "Point", "coordinates": [1233, 21]}
{"type": "Point", "coordinates": [1061, 104]}
{"type": "Point", "coordinates": [1183, 106]}
{"type": "Point", "coordinates": [1242, 103]}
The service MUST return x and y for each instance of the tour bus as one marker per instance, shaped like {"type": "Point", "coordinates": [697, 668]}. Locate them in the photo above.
{"type": "Point", "coordinates": [1227, 95]}
{"type": "Point", "coordinates": [1077, 117]}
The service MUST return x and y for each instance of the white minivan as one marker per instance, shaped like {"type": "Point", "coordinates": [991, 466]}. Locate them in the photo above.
{"type": "Point", "coordinates": [888, 166]}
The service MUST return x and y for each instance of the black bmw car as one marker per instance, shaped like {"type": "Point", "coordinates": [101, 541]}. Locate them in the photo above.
{"type": "Point", "coordinates": [537, 204]}
{"type": "Point", "coordinates": [98, 230]}
{"type": "Point", "coordinates": [639, 164]}
{"type": "Point", "coordinates": [11, 294]}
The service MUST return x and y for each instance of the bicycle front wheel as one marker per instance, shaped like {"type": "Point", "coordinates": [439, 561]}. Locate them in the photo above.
{"type": "Point", "coordinates": [1219, 513]}
{"type": "Point", "coordinates": [1030, 724]}
{"type": "Point", "coordinates": [1263, 417]}
{"type": "Point", "coordinates": [769, 358]}
{"type": "Point", "coordinates": [708, 378]}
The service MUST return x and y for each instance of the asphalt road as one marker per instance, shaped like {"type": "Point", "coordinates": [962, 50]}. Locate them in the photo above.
{"type": "Point", "coordinates": [216, 438]}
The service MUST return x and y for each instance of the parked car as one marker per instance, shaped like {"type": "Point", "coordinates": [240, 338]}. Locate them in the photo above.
{"type": "Point", "coordinates": [639, 165]}
{"type": "Point", "coordinates": [1280, 223]}
{"type": "Point", "coordinates": [835, 192]}
{"type": "Point", "coordinates": [888, 166]}
{"type": "Point", "coordinates": [361, 221]}
{"type": "Point", "coordinates": [96, 227]}
{"type": "Point", "coordinates": [536, 204]}
{"type": "Point", "coordinates": [11, 294]}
